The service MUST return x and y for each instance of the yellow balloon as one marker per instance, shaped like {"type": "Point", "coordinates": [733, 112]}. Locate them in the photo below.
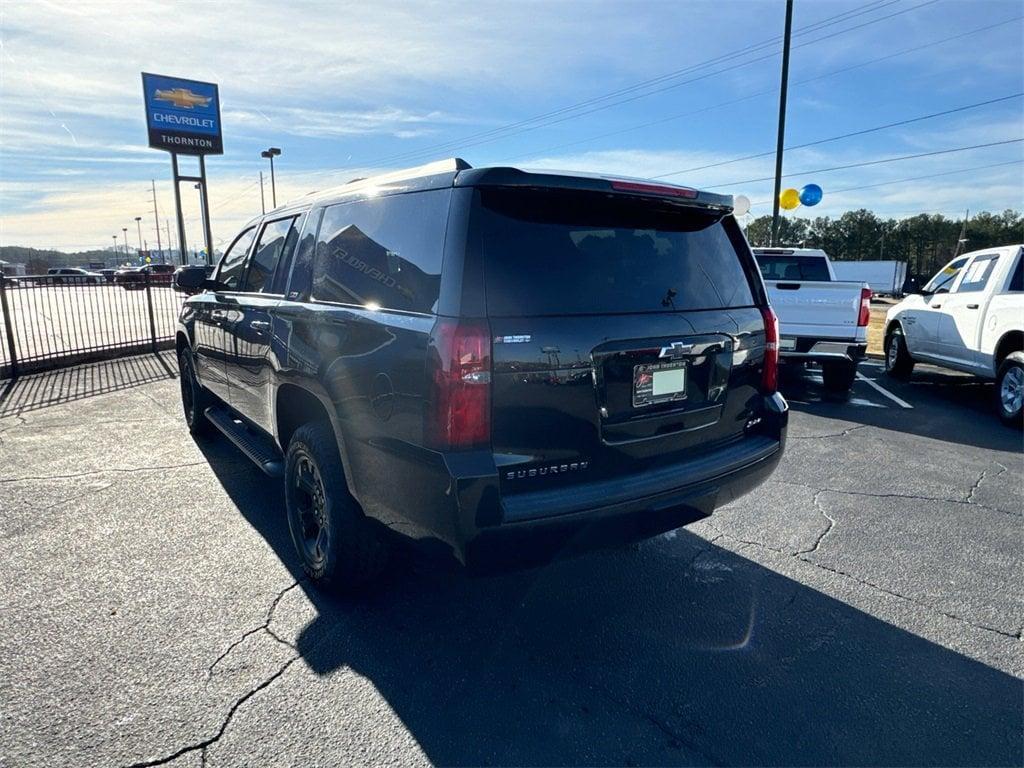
{"type": "Point", "coordinates": [789, 199]}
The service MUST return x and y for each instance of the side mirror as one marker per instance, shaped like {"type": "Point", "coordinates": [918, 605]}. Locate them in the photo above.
{"type": "Point", "coordinates": [190, 280]}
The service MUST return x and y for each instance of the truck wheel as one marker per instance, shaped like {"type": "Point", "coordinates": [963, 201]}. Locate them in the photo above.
{"type": "Point", "coordinates": [1010, 390]}
{"type": "Point", "coordinates": [194, 398]}
{"type": "Point", "coordinates": [337, 546]}
{"type": "Point", "coordinates": [898, 362]}
{"type": "Point", "coordinates": [838, 377]}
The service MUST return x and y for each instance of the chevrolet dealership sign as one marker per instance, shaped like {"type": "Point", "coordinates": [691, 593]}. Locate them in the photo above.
{"type": "Point", "coordinates": [182, 116]}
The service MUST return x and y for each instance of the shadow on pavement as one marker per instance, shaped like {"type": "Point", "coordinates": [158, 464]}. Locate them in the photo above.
{"type": "Point", "coordinates": [948, 406]}
{"type": "Point", "coordinates": [676, 652]}
{"type": "Point", "coordinates": [65, 385]}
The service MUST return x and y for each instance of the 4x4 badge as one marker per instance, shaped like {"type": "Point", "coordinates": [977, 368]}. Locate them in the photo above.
{"type": "Point", "coordinates": [676, 350]}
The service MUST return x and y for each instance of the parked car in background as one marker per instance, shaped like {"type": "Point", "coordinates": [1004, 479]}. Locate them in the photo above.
{"type": "Point", "coordinates": [969, 317]}
{"type": "Point", "coordinates": [135, 278]}
{"type": "Point", "coordinates": [822, 320]}
{"type": "Point", "coordinates": [108, 274]}
{"type": "Point", "coordinates": [73, 276]}
{"type": "Point", "coordinates": [884, 278]}
{"type": "Point", "coordinates": [489, 360]}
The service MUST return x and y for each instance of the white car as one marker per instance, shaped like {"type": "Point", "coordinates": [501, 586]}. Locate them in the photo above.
{"type": "Point", "coordinates": [969, 317]}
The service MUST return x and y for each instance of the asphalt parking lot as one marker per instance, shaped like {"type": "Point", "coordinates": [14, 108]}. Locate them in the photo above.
{"type": "Point", "coordinates": [863, 607]}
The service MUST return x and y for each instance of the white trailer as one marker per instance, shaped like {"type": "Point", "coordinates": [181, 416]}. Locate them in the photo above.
{"type": "Point", "coordinates": [885, 278]}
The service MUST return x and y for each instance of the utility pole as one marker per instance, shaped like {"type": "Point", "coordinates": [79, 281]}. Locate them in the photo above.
{"type": "Point", "coordinates": [963, 234]}
{"type": "Point", "coordinates": [170, 247]}
{"type": "Point", "coordinates": [156, 220]}
{"type": "Point", "coordinates": [782, 121]}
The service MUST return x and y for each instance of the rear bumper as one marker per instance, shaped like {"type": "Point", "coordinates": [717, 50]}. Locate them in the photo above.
{"type": "Point", "coordinates": [492, 531]}
{"type": "Point", "coordinates": [820, 350]}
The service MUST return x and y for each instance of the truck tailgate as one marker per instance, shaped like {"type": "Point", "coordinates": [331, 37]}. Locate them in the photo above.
{"type": "Point", "coordinates": [813, 308]}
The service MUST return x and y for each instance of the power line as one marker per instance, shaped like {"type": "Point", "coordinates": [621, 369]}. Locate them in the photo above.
{"type": "Point", "coordinates": [543, 120]}
{"type": "Point", "coordinates": [869, 162]}
{"type": "Point", "coordinates": [769, 91]}
{"type": "Point", "coordinates": [861, 132]}
{"type": "Point", "coordinates": [911, 178]}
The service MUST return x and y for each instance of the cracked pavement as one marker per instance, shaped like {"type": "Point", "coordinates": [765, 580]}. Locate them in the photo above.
{"type": "Point", "coordinates": [862, 607]}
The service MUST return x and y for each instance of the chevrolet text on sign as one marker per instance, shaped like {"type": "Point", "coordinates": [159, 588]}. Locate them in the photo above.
{"type": "Point", "coordinates": [182, 116]}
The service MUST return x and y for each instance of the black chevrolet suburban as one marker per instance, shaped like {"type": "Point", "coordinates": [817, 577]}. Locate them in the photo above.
{"type": "Point", "coordinates": [499, 362]}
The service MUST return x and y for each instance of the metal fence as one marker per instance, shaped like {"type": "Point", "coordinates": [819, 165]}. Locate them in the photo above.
{"type": "Point", "coordinates": [51, 321]}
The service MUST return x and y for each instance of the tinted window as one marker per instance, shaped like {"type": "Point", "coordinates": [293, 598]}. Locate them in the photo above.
{"type": "Point", "coordinates": [557, 252]}
{"type": "Point", "coordinates": [232, 264]}
{"type": "Point", "coordinates": [1017, 281]}
{"type": "Point", "coordinates": [384, 252]}
{"type": "Point", "coordinates": [302, 269]}
{"type": "Point", "coordinates": [977, 274]}
{"type": "Point", "coordinates": [945, 278]}
{"type": "Point", "coordinates": [275, 238]}
{"type": "Point", "coordinates": [791, 267]}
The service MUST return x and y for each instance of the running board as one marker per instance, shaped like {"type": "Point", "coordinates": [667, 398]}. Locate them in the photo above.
{"type": "Point", "coordinates": [257, 447]}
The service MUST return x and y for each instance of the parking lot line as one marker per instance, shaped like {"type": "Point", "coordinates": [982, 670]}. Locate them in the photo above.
{"type": "Point", "coordinates": [886, 392]}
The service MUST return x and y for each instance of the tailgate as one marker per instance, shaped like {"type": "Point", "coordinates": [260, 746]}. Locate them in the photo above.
{"type": "Point", "coordinates": [625, 334]}
{"type": "Point", "coordinates": [813, 308]}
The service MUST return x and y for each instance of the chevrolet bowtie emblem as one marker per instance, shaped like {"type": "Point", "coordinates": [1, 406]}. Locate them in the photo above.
{"type": "Point", "coordinates": [676, 350]}
{"type": "Point", "coordinates": [182, 98]}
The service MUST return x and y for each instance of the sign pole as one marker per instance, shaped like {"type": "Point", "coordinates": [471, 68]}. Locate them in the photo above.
{"type": "Point", "coordinates": [177, 208]}
{"type": "Point", "coordinates": [206, 211]}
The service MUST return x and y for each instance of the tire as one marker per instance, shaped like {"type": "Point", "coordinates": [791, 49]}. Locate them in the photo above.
{"type": "Point", "coordinates": [334, 540]}
{"type": "Point", "coordinates": [838, 377]}
{"type": "Point", "coordinates": [1010, 390]}
{"type": "Point", "coordinates": [194, 398]}
{"type": "Point", "coordinates": [898, 362]}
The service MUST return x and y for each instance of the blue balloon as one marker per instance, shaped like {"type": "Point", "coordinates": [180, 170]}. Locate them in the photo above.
{"type": "Point", "coordinates": [811, 194]}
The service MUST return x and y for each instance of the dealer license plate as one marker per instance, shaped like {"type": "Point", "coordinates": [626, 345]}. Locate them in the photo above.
{"type": "Point", "coordinates": [659, 383]}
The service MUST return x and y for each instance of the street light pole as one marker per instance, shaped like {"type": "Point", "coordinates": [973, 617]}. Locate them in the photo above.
{"type": "Point", "coordinates": [138, 224]}
{"type": "Point", "coordinates": [263, 200]}
{"type": "Point", "coordinates": [125, 230]}
{"type": "Point", "coordinates": [782, 121]}
{"type": "Point", "coordinates": [270, 153]}
{"type": "Point", "coordinates": [116, 251]}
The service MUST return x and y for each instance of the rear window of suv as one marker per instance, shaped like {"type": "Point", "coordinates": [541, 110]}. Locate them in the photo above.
{"type": "Point", "coordinates": [556, 252]}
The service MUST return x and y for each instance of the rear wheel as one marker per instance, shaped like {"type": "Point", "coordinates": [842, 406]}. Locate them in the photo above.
{"type": "Point", "coordinates": [194, 398]}
{"type": "Point", "coordinates": [898, 362]}
{"type": "Point", "coordinates": [838, 376]}
{"type": "Point", "coordinates": [333, 538]}
{"type": "Point", "coordinates": [1010, 390]}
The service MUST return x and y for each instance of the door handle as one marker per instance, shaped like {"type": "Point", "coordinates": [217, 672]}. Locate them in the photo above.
{"type": "Point", "coordinates": [935, 306]}
{"type": "Point", "coordinates": [260, 325]}
{"type": "Point", "coordinates": [972, 306]}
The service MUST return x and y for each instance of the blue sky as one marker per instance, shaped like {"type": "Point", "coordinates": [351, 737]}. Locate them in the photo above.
{"type": "Point", "coordinates": [349, 88]}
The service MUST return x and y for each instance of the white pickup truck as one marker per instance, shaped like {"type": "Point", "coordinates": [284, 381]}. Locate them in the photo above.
{"type": "Point", "coordinates": [821, 320]}
{"type": "Point", "coordinates": [969, 317]}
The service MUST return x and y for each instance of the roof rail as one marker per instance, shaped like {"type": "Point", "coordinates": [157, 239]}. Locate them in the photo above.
{"type": "Point", "coordinates": [451, 165]}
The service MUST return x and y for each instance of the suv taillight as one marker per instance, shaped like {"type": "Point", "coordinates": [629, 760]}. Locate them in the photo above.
{"type": "Point", "coordinates": [865, 308]}
{"type": "Point", "coordinates": [460, 407]}
{"type": "Point", "coordinates": [770, 373]}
